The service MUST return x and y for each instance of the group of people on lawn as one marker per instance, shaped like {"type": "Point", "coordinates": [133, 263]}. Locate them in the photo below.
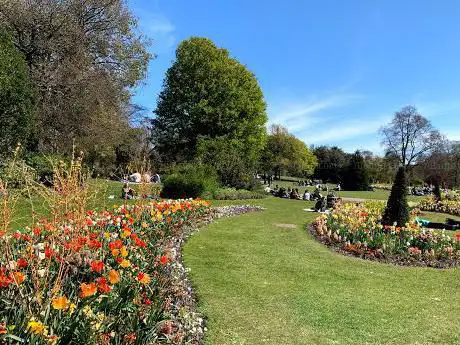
{"type": "Point", "coordinates": [129, 193]}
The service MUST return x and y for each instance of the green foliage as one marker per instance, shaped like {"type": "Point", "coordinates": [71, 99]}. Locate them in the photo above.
{"type": "Point", "coordinates": [43, 165]}
{"type": "Point", "coordinates": [190, 181]}
{"type": "Point", "coordinates": [234, 169]}
{"type": "Point", "coordinates": [355, 176]}
{"type": "Point", "coordinates": [286, 153]}
{"type": "Point", "coordinates": [16, 95]}
{"type": "Point", "coordinates": [397, 209]}
{"type": "Point", "coordinates": [331, 162]}
{"type": "Point", "coordinates": [208, 94]}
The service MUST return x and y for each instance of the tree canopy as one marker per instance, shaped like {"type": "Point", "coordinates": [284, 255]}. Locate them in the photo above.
{"type": "Point", "coordinates": [16, 95]}
{"type": "Point", "coordinates": [83, 58]}
{"type": "Point", "coordinates": [286, 153]}
{"type": "Point", "coordinates": [206, 95]}
{"type": "Point", "coordinates": [355, 175]}
{"type": "Point", "coordinates": [331, 162]}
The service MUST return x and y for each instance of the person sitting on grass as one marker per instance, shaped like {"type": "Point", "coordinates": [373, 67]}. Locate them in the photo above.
{"type": "Point", "coordinates": [283, 193]}
{"type": "Point", "coordinates": [295, 194]}
{"type": "Point", "coordinates": [306, 195]}
{"type": "Point", "coordinates": [316, 195]}
{"type": "Point", "coordinates": [127, 192]}
{"type": "Point", "coordinates": [320, 205]}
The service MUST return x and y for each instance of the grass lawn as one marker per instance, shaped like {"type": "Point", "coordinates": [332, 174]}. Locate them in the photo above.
{"type": "Point", "coordinates": [437, 217]}
{"type": "Point", "coordinates": [260, 283]}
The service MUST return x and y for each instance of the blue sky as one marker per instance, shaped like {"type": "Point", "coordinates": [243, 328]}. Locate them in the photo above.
{"type": "Point", "coordinates": [332, 71]}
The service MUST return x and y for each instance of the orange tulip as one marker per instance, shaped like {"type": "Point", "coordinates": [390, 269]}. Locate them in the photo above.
{"type": "Point", "coordinates": [114, 277]}
{"type": "Point", "coordinates": [60, 303]}
{"type": "Point", "coordinates": [19, 277]}
{"type": "Point", "coordinates": [143, 278]}
{"type": "Point", "coordinates": [87, 290]}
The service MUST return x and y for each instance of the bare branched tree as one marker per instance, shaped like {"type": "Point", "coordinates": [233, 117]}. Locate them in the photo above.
{"type": "Point", "coordinates": [84, 58]}
{"type": "Point", "coordinates": [410, 136]}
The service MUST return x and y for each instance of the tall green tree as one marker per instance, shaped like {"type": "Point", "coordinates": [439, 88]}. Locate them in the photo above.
{"type": "Point", "coordinates": [331, 162]}
{"type": "Point", "coordinates": [16, 95]}
{"type": "Point", "coordinates": [355, 176]}
{"type": "Point", "coordinates": [206, 95]}
{"type": "Point", "coordinates": [284, 153]}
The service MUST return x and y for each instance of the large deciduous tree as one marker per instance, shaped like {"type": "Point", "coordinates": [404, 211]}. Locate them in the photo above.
{"type": "Point", "coordinates": [207, 95]}
{"type": "Point", "coordinates": [284, 153]}
{"type": "Point", "coordinates": [16, 95]}
{"type": "Point", "coordinates": [410, 136]}
{"type": "Point", "coordinates": [83, 57]}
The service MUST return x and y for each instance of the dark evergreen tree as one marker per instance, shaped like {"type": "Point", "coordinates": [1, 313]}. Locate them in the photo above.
{"type": "Point", "coordinates": [397, 210]}
{"type": "Point", "coordinates": [355, 176]}
{"type": "Point", "coordinates": [437, 191]}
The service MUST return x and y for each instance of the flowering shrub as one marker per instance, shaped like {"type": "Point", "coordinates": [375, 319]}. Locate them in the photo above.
{"type": "Point", "coordinates": [110, 277]}
{"type": "Point", "coordinates": [356, 229]}
{"type": "Point", "coordinates": [442, 206]}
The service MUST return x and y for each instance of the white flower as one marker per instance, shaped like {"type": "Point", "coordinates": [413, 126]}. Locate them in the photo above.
{"type": "Point", "coordinates": [41, 272]}
{"type": "Point", "coordinates": [40, 246]}
{"type": "Point", "coordinates": [41, 255]}
{"type": "Point", "coordinates": [11, 265]}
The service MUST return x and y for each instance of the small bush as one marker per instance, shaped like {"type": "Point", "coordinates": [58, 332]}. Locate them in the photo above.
{"type": "Point", "coordinates": [190, 181]}
{"type": "Point", "coordinates": [43, 165]}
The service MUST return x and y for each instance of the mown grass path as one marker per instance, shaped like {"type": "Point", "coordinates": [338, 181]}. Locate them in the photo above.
{"type": "Point", "coordinates": [259, 283]}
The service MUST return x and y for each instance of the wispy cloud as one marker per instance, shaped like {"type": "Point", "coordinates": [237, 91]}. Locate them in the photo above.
{"type": "Point", "coordinates": [348, 130]}
{"type": "Point", "coordinates": [298, 116]}
{"type": "Point", "coordinates": [158, 28]}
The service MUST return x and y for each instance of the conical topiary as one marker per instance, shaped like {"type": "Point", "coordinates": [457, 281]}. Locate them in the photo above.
{"type": "Point", "coordinates": [397, 210]}
{"type": "Point", "coordinates": [437, 191]}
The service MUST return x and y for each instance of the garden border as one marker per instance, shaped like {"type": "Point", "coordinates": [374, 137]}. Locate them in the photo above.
{"type": "Point", "coordinates": [191, 327]}
{"type": "Point", "coordinates": [377, 256]}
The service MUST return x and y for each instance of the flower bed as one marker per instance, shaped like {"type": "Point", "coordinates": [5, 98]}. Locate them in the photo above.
{"type": "Point", "coordinates": [113, 277]}
{"type": "Point", "coordinates": [98, 280]}
{"type": "Point", "coordinates": [443, 206]}
{"type": "Point", "coordinates": [356, 230]}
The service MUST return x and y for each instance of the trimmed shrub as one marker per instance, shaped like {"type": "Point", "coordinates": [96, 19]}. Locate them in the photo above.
{"type": "Point", "coordinates": [190, 181]}
{"type": "Point", "coordinates": [437, 191]}
{"type": "Point", "coordinates": [397, 209]}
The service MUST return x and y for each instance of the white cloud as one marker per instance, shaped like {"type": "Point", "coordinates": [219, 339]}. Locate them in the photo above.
{"type": "Point", "coordinates": [299, 116]}
{"type": "Point", "coordinates": [336, 132]}
{"type": "Point", "coordinates": [160, 25]}
{"type": "Point", "coordinates": [159, 29]}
